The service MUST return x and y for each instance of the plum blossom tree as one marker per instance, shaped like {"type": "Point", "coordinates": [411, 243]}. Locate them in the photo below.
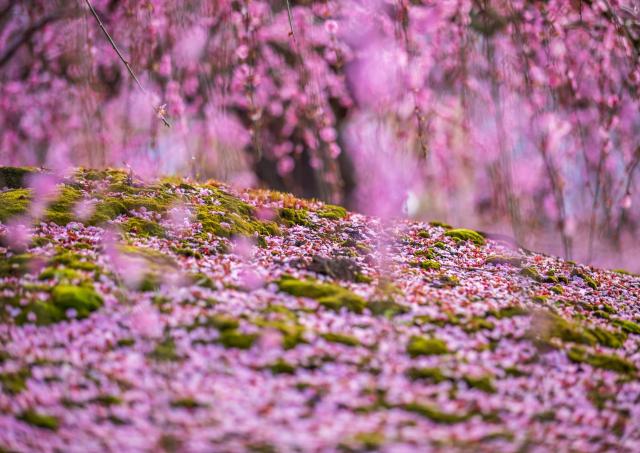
{"type": "Point", "coordinates": [513, 115]}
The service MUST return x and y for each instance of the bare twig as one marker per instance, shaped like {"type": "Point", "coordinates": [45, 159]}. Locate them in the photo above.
{"type": "Point", "coordinates": [160, 111]}
{"type": "Point", "coordinates": [290, 16]}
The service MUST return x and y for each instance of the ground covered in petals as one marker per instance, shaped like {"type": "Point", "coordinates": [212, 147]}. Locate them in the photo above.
{"type": "Point", "coordinates": [174, 316]}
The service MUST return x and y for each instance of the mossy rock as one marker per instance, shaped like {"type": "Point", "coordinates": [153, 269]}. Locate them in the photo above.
{"type": "Point", "coordinates": [466, 235]}
{"type": "Point", "coordinates": [386, 307]}
{"type": "Point", "coordinates": [328, 295]}
{"type": "Point", "coordinates": [590, 281]}
{"type": "Point", "coordinates": [166, 351]}
{"type": "Point", "coordinates": [437, 223]}
{"type": "Point", "coordinates": [39, 420]}
{"type": "Point", "coordinates": [547, 325]}
{"type": "Point", "coordinates": [435, 415]}
{"type": "Point", "coordinates": [610, 339]}
{"type": "Point", "coordinates": [423, 346]}
{"type": "Point", "coordinates": [627, 326]}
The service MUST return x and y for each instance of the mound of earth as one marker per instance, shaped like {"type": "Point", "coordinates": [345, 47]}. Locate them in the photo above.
{"type": "Point", "coordinates": [175, 316]}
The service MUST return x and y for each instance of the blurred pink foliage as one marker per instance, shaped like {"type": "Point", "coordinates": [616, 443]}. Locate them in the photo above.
{"type": "Point", "coordinates": [505, 114]}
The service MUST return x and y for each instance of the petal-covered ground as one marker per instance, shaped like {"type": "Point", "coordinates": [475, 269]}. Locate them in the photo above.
{"type": "Point", "coordinates": [175, 316]}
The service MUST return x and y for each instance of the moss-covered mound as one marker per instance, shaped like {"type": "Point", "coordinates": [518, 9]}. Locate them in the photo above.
{"type": "Point", "coordinates": [173, 315]}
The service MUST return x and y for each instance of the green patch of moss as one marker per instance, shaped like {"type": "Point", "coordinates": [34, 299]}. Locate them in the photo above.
{"type": "Point", "coordinates": [386, 307]}
{"type": "Point", "coordinates": [232, 338]}
{"type": "Point", "coordinates": [434, 414]}
{"type": "Point", "coordinates": [290, 217]}
{"type": "Point", "coordinates": [430, 265]}
{"type": "Point", "coordinates": [608, 338]}
{"type": "Point", "coordinates": [60, 211]}
{"type": "Point", "coordinates": [424, 234]}
{"type": "Point", "coordinates": [14, 202]}
{"type": "Point", "coordinates": [143, 228]}
{"type": "Point", "coordinates": [437, 223]}
{"type": "Point", "coordinates": [510, 311]}
{"type": "Point", "coordinates": [107, 400]}
{"type": "Point", "coordinates": [599, 360]}
{"type": "Point", "coordinates": [532, 273]}
{"type": "Point", "coordinates": [188, 252]}
{"type": "Point", "coordinates": [340, 338]}
{"type": "Point", "coordinates": [427, 253]}
{"type": "Point", "coordinates": [590, 281]}
{"type": "Point", "coordinates": [557, 289]}
{"type": "Point", "coordinates": [16, 382]}
{"type": "Point", "coordinates": [328, 295]}
{"type": "Point", "coordinates": [448, 281]}
{"type": "Point", "coordinates": [423, 346]}
{"type": "Point", "coordinates": [125, 342]}
{"type": "Point", "coordinates": [434, 375]}
{"type": "Point", "coordinates": [39, 419]}
{"type": "Point", "coordinates": [186, 403]}
{"type": "Point", "coordinates": [293, 334]}
{"type": "Point", "coordinates": [60, 274]}
{"type": "Point", "coordinates": [84, 300]}
{"type": "Point", "coordinates": [627, 326]}
{"type": "Point", "coordinates": [476, 324]}
{"type": "Point", "coordinates": [466, 235]}
{"type": "Point", "coordinates": [281, 366]}
{"type": "Point", "coordinates": [440, 245]}
{"type": "Point", "coordinates": [72, 260]}
{"type": "Point", "coordinates": [484, 383]}
{"type": "Point", "coordinates": [165, 351]}
{"type": "Point", "coordinates": [332, 212]}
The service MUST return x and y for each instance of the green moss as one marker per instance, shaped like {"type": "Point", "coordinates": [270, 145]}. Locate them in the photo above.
{"type": "Point", "coordinates": [476, 324]}
{"type": "Point", "coordinates": [165, 351]}
{"type": "Point", "coordinates": [557, 289]}
{"type": "Point", "coordinates": [419, 346]}
{"type": "Point", "coordinates": [232, 338]}
{"type": "Point", "coordinates": [220, 322]}
{"type": "Point", "coordinates": [627, 326]}
{"type": "Point", "coordinates": [186, 403]}
{"type": "Point", "coordinates": [14, 202]}
{"type": "Point", "coordinates": [332, 212]}
{"type": "Point", "coordinates": [600, 360]}
{"type": "Point", "coordinates": [427, 253]}
{"type": "Point", "coordinates": [437, 223]}
{"type": "Point", "coordinates": [60, 211]}
{"type": "Point", "coordinates": [72, 261]}
{"type": "Point", "coordinates": [590, 281]}
{"type": "Point", "coordinates": [430, 265]}
{"type": "Point", "coordinates": [340, 338]}
{"type": "Point", "coordinates": [188, 252]}
{"type": "Point", "coordinates": [448, 281]}
{"type": "Point", "coordinates": [16, 382]}
{"type": "Point", "coordinates": [532, 273]}
{"type": "Point", "coordinates": [386, 307]}
{"type": "Point", "coordinates": [440, 245]}
{"type": "Point", "coordinates": [608, 338]}
{"type": "Point", "coordinates": [434, 375]}
{"type": "Point", "coordinates": [84, 300]}
{"type": "Point", "coordinates": [466, 235]}
{"type": "Point", "coordinates": [330, 296]}
{"type": "Point", "coordinates": [539, 298]}
{"type": "Point", "coordinates": [484, 383]}
{"type": "Point", "coordinates": [424, 234]}
{"type": "Point", "coordinates": [15, 177]}
{"type": "Point", "coordinates": [290, 217]}
{"type": "Point", "coordinates": [125, 342]}
{"type": "Point", "coordinates": [39, 419]}
{"type": "Point", "coordinates": [107, 400]}
{"type": "Point", "coordinates": [434, 414]}
{"type": "Point", "coordinates": [514, 261]}
{"type": "Point", "coordinates": [143, 228]}
{"type": "Point", "coordinates": [45, 312]}
{"type": "Point", "coordinates": [509, 312]}
{"type": "Point", "coordinates": [369, 441]}
{"type": "Point", "coordinates": [281, 366]}
{"type": "Point", "coordinates": [60, 274]}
